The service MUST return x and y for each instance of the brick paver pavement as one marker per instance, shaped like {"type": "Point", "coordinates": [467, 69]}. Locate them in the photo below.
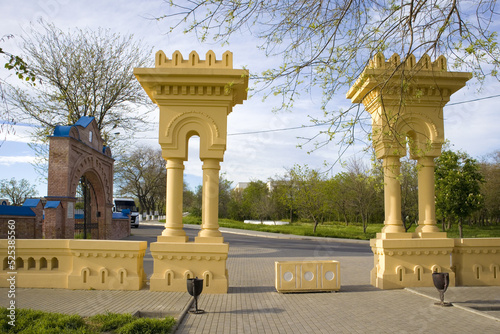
{"type": "Point", "coordinates": [253, 305]}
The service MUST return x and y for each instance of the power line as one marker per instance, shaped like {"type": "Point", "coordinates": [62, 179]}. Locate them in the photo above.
{"type": "Point", "coordinates": [327, 123]}
{"type": "Point", "coordinates": [478, 99]}
{"type": "Point", "coordinates": [275, 130]}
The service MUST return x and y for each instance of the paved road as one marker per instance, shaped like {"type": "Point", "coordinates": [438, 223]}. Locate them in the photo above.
{"type": "Point", "coordinates": [252, 305]}
{"type": "Point", "coordinates": [357, 272]}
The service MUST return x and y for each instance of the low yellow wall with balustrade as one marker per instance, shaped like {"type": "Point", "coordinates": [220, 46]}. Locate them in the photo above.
{"type": "Point", "coordinates": [73, 264]}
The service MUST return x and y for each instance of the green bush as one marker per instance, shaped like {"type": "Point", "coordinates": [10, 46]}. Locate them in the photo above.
{"type": "Point", "coordinates": [148, 326]}
{"type": "Point", "coordinates": [110, 321]}
{"type": "Point", "coordinates": [34, 322]}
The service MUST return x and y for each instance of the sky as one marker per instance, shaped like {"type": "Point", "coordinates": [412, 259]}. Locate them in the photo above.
{"type": "Point", "coordinates": [472, 127]}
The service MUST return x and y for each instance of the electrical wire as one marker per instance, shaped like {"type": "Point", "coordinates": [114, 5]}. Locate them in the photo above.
{"type": "Point", "coordinates": [327, 123]}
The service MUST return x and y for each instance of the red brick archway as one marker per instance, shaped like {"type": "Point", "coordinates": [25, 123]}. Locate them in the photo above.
{"type": "Point", "coordinates": [75, 151]}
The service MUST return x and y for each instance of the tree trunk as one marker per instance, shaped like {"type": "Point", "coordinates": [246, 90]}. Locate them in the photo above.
{"type": "Point", "coordinates": [315, 225]}
{"type": "Point", "coordinates": [364, 220]}
{"type": "Point", "coordinates": [460, 231]}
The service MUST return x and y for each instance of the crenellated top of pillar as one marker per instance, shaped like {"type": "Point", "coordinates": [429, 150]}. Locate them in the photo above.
{"type": "Point", "coordinates": [426, 78]}
{"type": "Point", "coordinates": [194, 61]}
{"type": "Point", "coordinates": [405, 98]}
{"type": "Point", "coordinates": [410, 63]}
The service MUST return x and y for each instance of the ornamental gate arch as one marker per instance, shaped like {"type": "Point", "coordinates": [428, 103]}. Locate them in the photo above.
{"type": "Point", "coordinates": [195, 98]}
{"type": "Point", "coordinates": [404, 259]}
{"type": "Point", "coordinates": [77, 151]}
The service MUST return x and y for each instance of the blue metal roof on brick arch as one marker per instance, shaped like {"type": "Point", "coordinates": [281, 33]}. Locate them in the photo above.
{"type": "Point", "coordinates": [85, 121]}
{"type": "Point", "coordinates": [9, 210]}
{"type": "Point", "coordinates": [52, 204]}
{"type": "Point", "coordinates": [31, 202]}
{"type": "Point", "coordinates": [64, 130]}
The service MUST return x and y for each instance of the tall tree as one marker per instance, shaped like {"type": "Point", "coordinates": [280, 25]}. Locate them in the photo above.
{"type": "Point", "coordinates": [409, 192]}
{"type": "Point", "coordinates": [17, 191]}
{"type": "Point", "coordinates": [362, 190]}
{"type": "Point", "coordinates": [311, 193]}
{"type": "Point", "coordinates": [256, 202]}
{"type": "Point", "coordinates": [490, 169]}
{"type": "Point", "coordinates": [458, 186]}
{"type": "Point", "coordinates": [327, 44]}
{"type": "Point", "coordinates": [141, 174]}
{"type": "Point", "coordinates": [224, 196]}
{"type": "Point", "coordinates": [285, 194]}
{"type": "Point", "coordinates": [23, 72]}
{"type": "Point", "coordinates": [81, 73]}
{"type": "Point", "coordinates": [340, 196]}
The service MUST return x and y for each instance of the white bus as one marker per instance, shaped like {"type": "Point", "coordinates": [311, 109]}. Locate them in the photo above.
{"type": "Point", "coordinates": [120, 204]}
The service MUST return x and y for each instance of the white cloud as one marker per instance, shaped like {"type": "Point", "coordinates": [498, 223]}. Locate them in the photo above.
{"type": "Point", "coordinates": [10, 160]}
{"type": "Point", "coordinates": [472, 126]}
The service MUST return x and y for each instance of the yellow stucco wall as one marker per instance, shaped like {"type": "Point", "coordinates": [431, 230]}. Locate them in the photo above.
{"type": "Point", "coordinates": [75, 264]}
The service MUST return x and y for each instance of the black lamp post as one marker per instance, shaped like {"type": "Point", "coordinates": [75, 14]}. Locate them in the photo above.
{"type": "Point", "coordinates": [194, 288]}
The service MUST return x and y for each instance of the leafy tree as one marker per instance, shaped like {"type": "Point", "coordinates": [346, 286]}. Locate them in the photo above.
{"type": "Point", "coordinates": [17, 191]}
{"type": "Point", "coordinates": [235, 207]}
{"type": "Point", "coordinates": [361, 189]}
{"type": "Point", "coordinates": [22, 71]}
{"type": "Point", "coordinates": [409, 192]}
{"type": "Point", "coordinates": [141, 174]}
{"type": "Point", "coordinates": [189, 201]}
{"type": "Point", "coordinates": [82, 73]}
{"type": "Point", "coordinates": [256, 203]}
{"type": "Point", "coordinates": [285, 195]}
{"type": "Point", "coordinates": [327, 44]}
{"type": "Point", "coordinates": [224, 196]}
{"type": "Point", "coordinates": [311, 194]}
{"type": "Point", "coordinates": [340, 198]}
{"type": "Point", "coordinates": [193, 200]}
{"type": "Point", "coordinates": [458, 185]}
{"type": "Point", "coordinates": [490, 169]}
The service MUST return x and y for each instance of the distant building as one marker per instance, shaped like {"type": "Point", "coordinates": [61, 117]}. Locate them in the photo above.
{"type": "Point", "coordinates": [4, 201]}
{"type": "Point", "coordinates": [241, 186]}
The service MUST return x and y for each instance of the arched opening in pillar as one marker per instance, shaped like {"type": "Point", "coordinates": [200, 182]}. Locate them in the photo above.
{"type": "Point", "coordinates": [409, 185]}
{"type": "Point", "coordinates": [193, 178]}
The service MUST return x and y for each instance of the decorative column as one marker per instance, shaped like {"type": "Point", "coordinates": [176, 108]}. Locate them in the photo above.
{"type": "Point", "coordinates": [405, 99]}
{"type": "Point", "coordinates": [195, 97]}
{"type": "Point", "coordinates": [173, 222]}
{"type": "Point", "coordinates": [426, 197]}
{"type": "Point", "coordinates": [392, 196]}
{"type": "Point", "coordinates": [210, 203]}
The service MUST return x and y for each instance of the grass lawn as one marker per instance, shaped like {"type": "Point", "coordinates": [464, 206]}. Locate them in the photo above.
{"type": "Point", "coordinates": [32, 321]}
{"type": "Point", "coordinates": [330, 229]}
{"type": "Point", "coordinates": [340, 230]}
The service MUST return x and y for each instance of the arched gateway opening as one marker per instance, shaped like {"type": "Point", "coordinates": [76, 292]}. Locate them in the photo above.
{"type": "Point", "coordinates": [80, 184]}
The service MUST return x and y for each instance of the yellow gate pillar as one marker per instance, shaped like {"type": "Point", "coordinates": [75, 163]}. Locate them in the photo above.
{"type": "Point", "coordinates": [405, 100]}
{"type": "Point", "coordinates": [173, 221]}
{"type": "Point", "coordinates": [210, 203]}
{"type": "Point", "coordinates": [195, 97]}
{"type": "Point", "coordinates": [426, 196]}
{"type": "Point", "coordinates": [392, 196]}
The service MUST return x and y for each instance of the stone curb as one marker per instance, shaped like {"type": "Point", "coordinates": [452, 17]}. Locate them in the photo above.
{"type": "Point", "coordinates": [465, 308]}
{"type": "Point", "coordinates": [182, 315]}
{"type": "Point", "coordinates": [271, 235]}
